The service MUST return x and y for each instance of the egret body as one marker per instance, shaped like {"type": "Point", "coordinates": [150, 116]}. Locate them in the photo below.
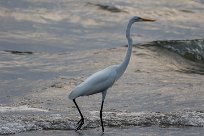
{"type": "Point", "coordinates": [100, 81]}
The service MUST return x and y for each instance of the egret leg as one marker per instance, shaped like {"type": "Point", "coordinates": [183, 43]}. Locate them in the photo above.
{"type": "Point", "coordinates": [103, 98]}
{"type": "Point", "coordinates": [81, 121]}
{"type": "Point", "coordinates": [101, 116]}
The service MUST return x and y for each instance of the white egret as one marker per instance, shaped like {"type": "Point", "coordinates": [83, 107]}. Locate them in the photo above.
{"type": "Point", "coordinates": [100, 81]}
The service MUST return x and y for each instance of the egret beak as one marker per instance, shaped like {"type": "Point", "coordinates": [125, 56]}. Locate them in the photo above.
{"type": "Point", "coordinates": [146, 19]}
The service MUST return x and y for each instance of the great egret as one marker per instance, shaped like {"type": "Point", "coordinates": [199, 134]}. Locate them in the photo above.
{"type": "Point", "coordinates": [100, 81]}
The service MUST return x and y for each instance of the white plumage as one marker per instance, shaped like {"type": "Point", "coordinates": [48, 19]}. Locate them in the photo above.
{"type": "Point", "coordinates": [94, 84]}
{"type": "Point", "coordinates": [100, 81]}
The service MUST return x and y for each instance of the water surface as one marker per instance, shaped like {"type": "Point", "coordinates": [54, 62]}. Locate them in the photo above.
{"type": "Point", "coordinates": [48, 47]}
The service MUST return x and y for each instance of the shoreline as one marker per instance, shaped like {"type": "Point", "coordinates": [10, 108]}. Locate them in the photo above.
{"type": "Point", "coordinates": [24, 121]}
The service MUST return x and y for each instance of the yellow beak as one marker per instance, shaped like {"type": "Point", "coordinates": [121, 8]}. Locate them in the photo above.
{"type": "Point", "coordinates": [146, 19]}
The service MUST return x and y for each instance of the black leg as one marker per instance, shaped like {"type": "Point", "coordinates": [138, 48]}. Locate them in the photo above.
{"type": "Point", "coordinates": [101, 116]}
{"type": "Point", "coordinates": [81, 121]}
{"type": "Point", "coordinates": [103, 98]}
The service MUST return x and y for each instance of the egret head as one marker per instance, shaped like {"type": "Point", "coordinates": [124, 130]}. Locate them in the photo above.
{"type": "Point", "coordinates": [139, 19]}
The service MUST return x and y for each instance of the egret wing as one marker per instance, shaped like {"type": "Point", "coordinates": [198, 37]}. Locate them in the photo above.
{"type": "Point", "coordinates": [96, 83]}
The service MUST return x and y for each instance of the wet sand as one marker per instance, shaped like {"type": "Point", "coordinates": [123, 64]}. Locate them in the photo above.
{"type": "Point", "coordinates": [147, 86]}
{"type": "Point", "coordinates": [151, 83]}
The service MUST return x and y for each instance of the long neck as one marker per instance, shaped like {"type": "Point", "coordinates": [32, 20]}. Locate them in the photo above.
{"type": "Point", "coordinates": [122, 67]}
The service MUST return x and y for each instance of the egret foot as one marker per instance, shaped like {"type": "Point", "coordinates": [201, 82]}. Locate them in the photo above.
{"type": "Point", "coordinates": [80, 123]}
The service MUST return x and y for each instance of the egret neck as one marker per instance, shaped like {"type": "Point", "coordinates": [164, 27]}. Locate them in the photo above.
{"type": "Point", "coordinates": [122, 67]}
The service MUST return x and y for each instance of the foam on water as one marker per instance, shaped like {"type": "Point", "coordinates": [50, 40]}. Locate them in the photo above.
{"type": "Point", "coordinates": [10, 124]}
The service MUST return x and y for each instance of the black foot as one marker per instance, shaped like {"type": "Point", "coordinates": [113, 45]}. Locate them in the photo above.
{"type": "Point", "coordinates": [80, 123]}
{"type": "Point", "coordinates": [102, 130]}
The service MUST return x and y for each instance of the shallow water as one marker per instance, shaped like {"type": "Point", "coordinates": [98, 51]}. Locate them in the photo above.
{"type": "Point", "coordinates": [48, 47]}
{"type": "Point", "coordinates": [139, 131]}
